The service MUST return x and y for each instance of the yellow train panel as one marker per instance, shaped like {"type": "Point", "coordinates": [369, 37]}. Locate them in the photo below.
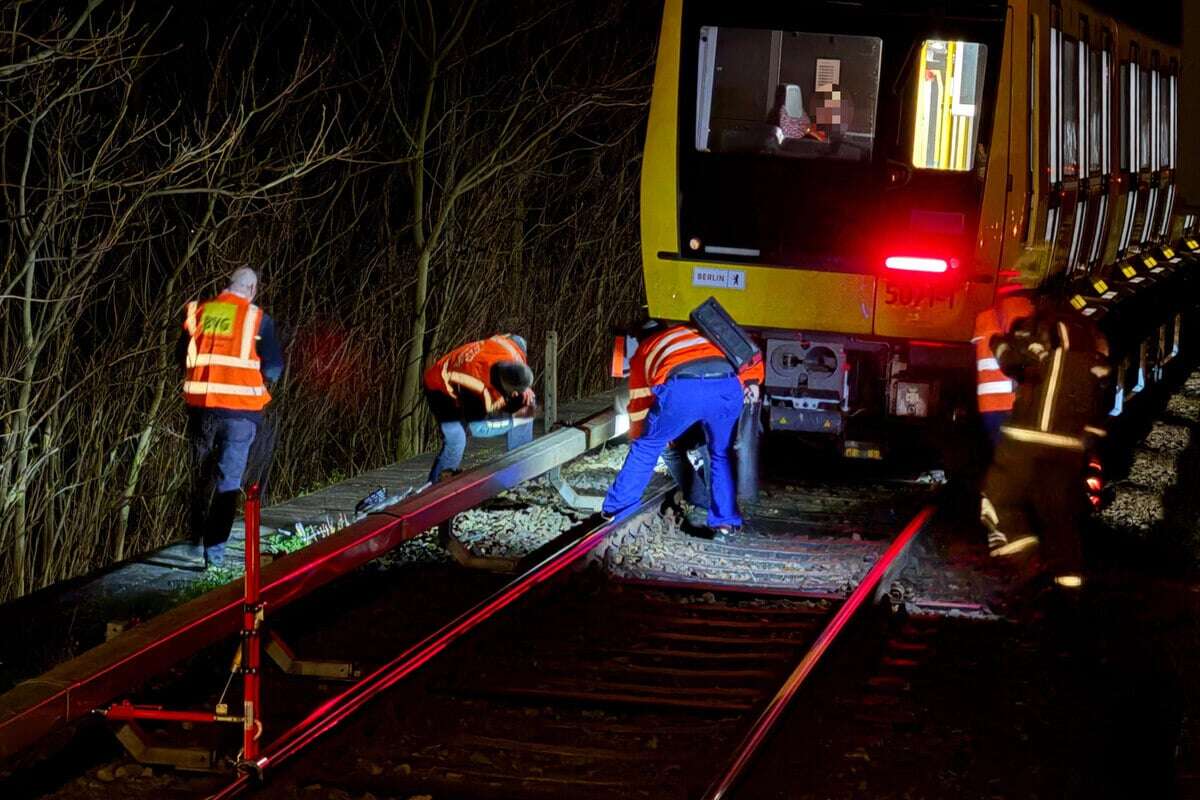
{"type": "Point", "coordinates": [912, 310]}
{"type": "Point", "coordinates": [771, 298]}
{"type": "Point", "coordinates": [660, 231]}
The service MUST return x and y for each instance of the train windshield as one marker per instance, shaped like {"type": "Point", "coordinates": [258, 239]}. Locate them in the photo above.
{"type": "Point", "coordinates": [791, 94]}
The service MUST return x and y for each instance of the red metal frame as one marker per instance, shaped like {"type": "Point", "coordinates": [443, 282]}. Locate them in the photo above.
{"type": "Point", "coordinates": [334, 711]}
{"type": "Point", "coordinates": [758, 734]}
{"type": "Point", "coordinates": [74, 689]}
{"type": "Point", "coordinates": [252, 617]}
{"type": "Point", "coordinates": [250, 661]}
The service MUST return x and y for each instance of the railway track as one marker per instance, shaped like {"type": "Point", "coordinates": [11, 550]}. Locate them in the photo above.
{"type": "Point", "coordinates": [594, 683]}
{"type": "Point", "coordinates": [594, 689]}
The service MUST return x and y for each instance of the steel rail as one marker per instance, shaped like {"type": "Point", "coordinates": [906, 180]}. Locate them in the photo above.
{"type": "Point", "coordinates": [888, 564]}
{"type": "Point", "coordinates": [570, 548]}
{"type": "Point", "coordinates": [36, 707]}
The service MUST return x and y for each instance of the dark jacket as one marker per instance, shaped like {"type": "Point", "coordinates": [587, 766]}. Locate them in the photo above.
{"type": "Point", "coordinates": [1060, 363]}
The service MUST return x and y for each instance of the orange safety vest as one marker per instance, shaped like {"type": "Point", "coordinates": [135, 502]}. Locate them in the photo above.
{"type": "Point", "coordinates": [222, 358]}
{"type": "Point", "coordinates": [469, 368]}
{"type": "Point", "coordinates": [995, 391]}
{"type": "Point", "coordinates": [654, 361]}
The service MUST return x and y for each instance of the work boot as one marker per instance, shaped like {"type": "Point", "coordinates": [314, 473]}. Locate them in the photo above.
{"type": "Point", "coordinates": [193, 556]}
{"type": "Point", "coordinates": [214, 556]}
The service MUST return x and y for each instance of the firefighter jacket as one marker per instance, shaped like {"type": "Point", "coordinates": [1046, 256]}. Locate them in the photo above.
{"type": "Point", "coordinates": [1059, 361]}
{"type": "Point", "coordinates": [678, 349]}
{"type": "Point", "coordinates": [995, 391]}
{"type": "Point", "coordinates": [465, 375]}
{"type": "Point", "coordinates": [220, 345]}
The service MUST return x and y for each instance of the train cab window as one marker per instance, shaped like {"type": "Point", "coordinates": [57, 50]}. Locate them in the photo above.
{"type": "Point", "coordinates": [949, 92]}
{"type": "Point", "coordinates": [1070, 109]}
{"type": "Point", "coordinates": [795, 95]}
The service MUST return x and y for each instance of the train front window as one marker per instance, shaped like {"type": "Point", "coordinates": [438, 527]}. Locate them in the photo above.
{"type": "Point", "coordinates": [949, 90]}
{"type": "Point", "coordinates": [789, 94]}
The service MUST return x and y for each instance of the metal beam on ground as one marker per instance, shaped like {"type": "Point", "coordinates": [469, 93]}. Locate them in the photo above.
{"type": "Point", "coordinates": [75, 688]}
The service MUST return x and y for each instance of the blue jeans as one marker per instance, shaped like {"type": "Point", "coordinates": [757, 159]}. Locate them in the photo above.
{"type": "Point", "coordinates": [454, 440]}
{"type": "Point", "coordinates": [714, 403]}
{"type": "Point", "coordinates": [220, 447]}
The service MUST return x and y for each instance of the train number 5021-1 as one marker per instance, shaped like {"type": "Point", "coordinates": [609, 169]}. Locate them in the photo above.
{"type": "Point", "coordinates": [916, 295]}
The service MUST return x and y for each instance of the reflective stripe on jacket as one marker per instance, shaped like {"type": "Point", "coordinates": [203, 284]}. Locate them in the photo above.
{"type": "Point", "coordinates": [469, 369]}
{"type": "Point", "coordinates": [994, 390]}
{"type": "Point", "coordinates": [1062, 368]}
{"type": "Point", "coordinates": [654, 361]}
{"type": "Point", "coordinates": [222, 369]}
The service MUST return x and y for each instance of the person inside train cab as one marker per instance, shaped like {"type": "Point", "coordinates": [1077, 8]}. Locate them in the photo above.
{"type": "Point", "coordinates": [1034, 495]}
{"type": "Point", "coordinates": [484, 387]}
{"type": "Point", "coordinates": [995, 391]}
{"type": "Point", "coordinates": [678, 379]}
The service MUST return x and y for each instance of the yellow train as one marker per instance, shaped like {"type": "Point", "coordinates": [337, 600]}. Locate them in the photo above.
{"type": "Point", "coordinates": [849, 179]}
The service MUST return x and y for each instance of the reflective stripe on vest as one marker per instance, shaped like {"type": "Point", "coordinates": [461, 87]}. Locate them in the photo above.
{"type": "Point", "coordinates": [223, 367]}
{"type": "Point", "coordinates": [653, 363]}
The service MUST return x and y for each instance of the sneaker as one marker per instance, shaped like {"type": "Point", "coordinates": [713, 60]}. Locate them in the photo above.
{"type": "Point", "coordinates": [726, 531]}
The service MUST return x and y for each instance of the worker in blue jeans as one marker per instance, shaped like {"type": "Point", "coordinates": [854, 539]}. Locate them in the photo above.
{"type": "Point", "coordinates": [677, 379]}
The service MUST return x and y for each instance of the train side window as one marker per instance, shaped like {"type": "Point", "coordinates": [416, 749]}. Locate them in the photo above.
{"type": "Point", "coordinates": [1145, 128]}
{"type": "Point", "coordinates": [1095, 111]}
{"type": "Point", "coordinates": [1165, 139]}
{"type": "Point", "coordinates": [1070, 108]}
{"type": "Point", "coordinates": [950, 78]}
{"type": "Point", "coordinates": [1128, 80]}
{"type": "Point", "coordinates": [1055, 105]}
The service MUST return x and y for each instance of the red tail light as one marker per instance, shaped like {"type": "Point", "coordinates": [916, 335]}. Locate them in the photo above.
{"type": "Point", "coordinates": [918, 264]}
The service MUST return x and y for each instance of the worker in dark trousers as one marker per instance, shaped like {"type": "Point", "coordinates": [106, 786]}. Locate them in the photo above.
{"type": "Point", "coordinates": [995, 392]}
{"type": "Point", "coordinates": [484, 387]}
{"type": "Point", "coordinates": [1034, 492]}
{"type": "Point", "coordinates": [686, 458]}
{"type": "Point", "coordinates": [677, 379]}
{"type": "Point", "coordinates": [230, 356]}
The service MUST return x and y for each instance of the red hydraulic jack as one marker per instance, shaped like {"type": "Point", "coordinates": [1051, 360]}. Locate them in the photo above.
{"type": "Point", "coordinates": [247, 660]}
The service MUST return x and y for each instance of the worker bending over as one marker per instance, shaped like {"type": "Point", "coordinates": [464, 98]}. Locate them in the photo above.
{"type": "Point", "coordinates": [230, 356]}
{"type": "Point", "coordinates": [678, 378]}
{"type": "Point", "coordinates": [484, 386]}
{"type": "Point", "coordinates": [1034, 492]}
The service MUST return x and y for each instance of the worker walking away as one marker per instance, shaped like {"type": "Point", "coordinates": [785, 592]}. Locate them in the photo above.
{"type": "Point", "coordinates": [483, 386]}
{"type": "Point", "coordinates": [1034, 492]}
{"type": "Point", "coordinates": [995, 391]}
{"type": "Point", "coordinates": [679, 378]}
{"type": "Point", "coordinates": [231, 357]}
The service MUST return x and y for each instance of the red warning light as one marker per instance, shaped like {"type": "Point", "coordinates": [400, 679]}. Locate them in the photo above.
{"type": "Point", "coordinates": [917, 264]}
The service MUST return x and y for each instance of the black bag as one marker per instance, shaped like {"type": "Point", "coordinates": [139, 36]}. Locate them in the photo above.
{"type": "Point", "coordinates": [719, 328]}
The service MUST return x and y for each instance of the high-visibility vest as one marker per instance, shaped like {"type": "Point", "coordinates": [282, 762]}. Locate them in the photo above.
{"type": "Point", "coordinates": [468, 368]}
{"type": "Point", "coordinates": [656, 358]}
{"type": "Point", "coordinates": [223, 369]}
{"type": "Point", "coordinates": [995, 391]}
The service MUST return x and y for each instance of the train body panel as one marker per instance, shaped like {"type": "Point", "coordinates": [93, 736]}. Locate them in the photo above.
{"type": "Point", "coordinates": [856, 179]}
